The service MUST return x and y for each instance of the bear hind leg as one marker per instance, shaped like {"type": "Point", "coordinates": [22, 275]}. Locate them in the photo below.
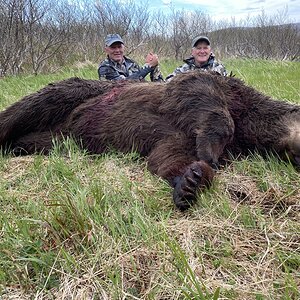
{"type": "Point", "coordinates": [36, 142]}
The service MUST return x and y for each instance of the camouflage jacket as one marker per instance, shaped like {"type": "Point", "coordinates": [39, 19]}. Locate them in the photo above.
{"type": "Point", "coordinates": [190, 65]}
{"type": "Point", "coordinates": [129, 69]}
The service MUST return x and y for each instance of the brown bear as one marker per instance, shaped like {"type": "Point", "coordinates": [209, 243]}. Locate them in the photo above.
{"type": "Point", "coordinates": [183, 128]}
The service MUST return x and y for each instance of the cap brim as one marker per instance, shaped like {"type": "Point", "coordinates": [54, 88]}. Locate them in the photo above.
{"type": "Point", "coordinates": [114, 41]}
{"type": "Point", "coordinates": [201, 40]}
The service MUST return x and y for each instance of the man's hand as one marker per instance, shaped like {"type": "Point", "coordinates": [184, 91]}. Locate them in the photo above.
{"type": "Point", "coordinates": [152, 59]}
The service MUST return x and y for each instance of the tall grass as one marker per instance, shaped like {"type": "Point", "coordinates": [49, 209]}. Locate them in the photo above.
{"type": "Point", "coordinates": [75, 226]}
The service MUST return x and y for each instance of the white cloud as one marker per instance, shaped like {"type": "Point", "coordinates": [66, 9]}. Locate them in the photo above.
{"type": "Point", "coordinates": [240, 9]}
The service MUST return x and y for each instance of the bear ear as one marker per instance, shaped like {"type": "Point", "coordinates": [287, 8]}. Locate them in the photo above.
{"type": "Point", "coordinates": [231, 74]}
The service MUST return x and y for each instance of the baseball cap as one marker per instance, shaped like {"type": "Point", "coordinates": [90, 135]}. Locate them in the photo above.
{"type": "Point", "coordinates": [200, 38]}
{"type": "Point", "coordinates": [113, 38]}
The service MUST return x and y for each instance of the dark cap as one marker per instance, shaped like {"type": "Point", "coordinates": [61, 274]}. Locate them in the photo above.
{"type": "Point", "coordinates": [113, 38]}
{"type": "Point", "coordinates": [198, 39]}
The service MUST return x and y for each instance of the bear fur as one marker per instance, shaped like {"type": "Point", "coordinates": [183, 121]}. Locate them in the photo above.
{"type": "Point", "coordinates": [183, 128]}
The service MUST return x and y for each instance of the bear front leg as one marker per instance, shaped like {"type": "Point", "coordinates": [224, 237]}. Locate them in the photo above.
{"type": "Point", "coordinates": [212, 138]}
{"type": "Point", "coordinates": [197, 177]}
{"type": "Point", "coordinates": [174, 159]}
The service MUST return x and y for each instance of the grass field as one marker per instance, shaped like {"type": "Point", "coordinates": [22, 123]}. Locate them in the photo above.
{"type": "Point", "coordinates": [75, 226]}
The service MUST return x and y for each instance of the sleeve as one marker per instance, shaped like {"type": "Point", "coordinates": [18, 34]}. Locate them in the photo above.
{"type": "Point", "coordinates": [177, 71]}
{"type": "Point", "coordinates": [108, 73]}
{"type": "Point", "coordinates": [224, 72]}
{"type": "Point", "coordinates": [156, 75]}
{"type": "Point", "coordinates": [219, 68]}
{"type": "Point", "coordinates": [141, 73]}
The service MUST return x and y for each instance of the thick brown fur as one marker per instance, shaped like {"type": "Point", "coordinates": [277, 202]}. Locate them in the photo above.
{"type": "Point", "coordinates": [183, 127]}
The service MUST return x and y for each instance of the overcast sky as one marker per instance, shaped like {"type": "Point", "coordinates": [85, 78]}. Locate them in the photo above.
{"type": "Point", "coordinates": [240, 9]}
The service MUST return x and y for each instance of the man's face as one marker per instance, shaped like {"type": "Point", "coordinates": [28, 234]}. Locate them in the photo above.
{"type": "Point", "coordinates": [115, 52]}
{"type": "Point", "coordinates": [201, 53]}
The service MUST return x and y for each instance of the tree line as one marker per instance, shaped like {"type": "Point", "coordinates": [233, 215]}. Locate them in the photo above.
{"type": "Point", "coordinates": [43, 35]}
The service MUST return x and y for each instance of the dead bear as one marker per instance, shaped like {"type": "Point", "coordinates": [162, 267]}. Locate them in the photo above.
{"type": "Point", "coordinates": [183, 128]}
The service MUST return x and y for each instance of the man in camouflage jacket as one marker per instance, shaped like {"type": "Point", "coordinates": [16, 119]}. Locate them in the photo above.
{"type": "Point", "coordinates": [202, 59]}
{"type": "Point", "coordinates": [117, 66]}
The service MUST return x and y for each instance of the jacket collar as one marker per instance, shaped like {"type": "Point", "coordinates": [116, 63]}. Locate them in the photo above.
{"type": "Point", "coordinates": [191, 61]}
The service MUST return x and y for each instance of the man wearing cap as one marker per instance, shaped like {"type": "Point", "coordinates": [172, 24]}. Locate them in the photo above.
{"type": "Point", "coordinates": [202, 59]}
{"type": "Point", "coordinates": [117, 66]}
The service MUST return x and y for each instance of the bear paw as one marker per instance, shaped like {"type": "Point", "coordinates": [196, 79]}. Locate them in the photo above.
{"type": "Point", "coordinates": [186, 187]}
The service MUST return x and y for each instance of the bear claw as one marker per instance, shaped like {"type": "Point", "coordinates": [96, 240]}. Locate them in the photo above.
{"type": "Point", "coordinates": [186, 187]}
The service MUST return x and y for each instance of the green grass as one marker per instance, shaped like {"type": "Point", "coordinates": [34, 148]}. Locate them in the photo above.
{"type": "Point", "coordinates": [279, 79]}
{"type": "Point", "coordinates": [75, 226]}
